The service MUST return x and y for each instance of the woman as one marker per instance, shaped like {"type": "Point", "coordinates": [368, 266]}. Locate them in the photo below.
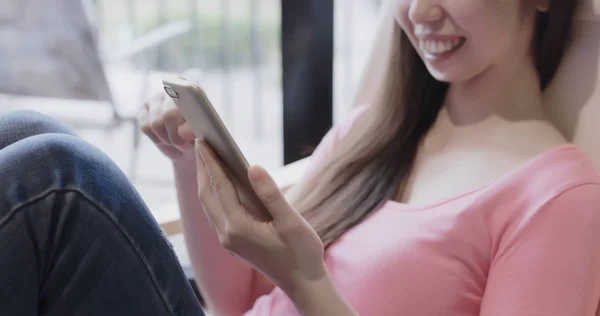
{"type": "Point", "coordinates": [451, 194]}
{"type": "Point", "coordinates": [471, 158]}
{"type": "Point", "coordinates": [463, 192]}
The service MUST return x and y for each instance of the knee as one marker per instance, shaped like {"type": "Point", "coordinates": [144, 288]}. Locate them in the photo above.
{"type": "Point", "coordinates": [63, 165]}
{"type": "Point", "coordinates": [18, 125]}
{"type": "Point", "coordinates": [58, 162]}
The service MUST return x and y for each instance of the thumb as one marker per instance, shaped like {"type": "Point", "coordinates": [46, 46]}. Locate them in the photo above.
{"type": "Point", "coordinates": [269, 193]}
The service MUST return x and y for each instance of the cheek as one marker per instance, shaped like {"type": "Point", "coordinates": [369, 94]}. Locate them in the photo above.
{"type": "Point", "coordinates": [493, 27]}
{"type": "Point", "coordinates": [486, 40]}
{"type": "Point", "coordinates": [489, 41]}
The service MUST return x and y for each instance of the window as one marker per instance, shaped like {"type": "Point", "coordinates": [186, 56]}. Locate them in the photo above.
{"type": "Point", "coordinates": [355, 23]}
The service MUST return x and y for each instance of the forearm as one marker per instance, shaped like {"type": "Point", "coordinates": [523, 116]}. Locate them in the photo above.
{"type": "Point", "coordinates": [320, 298]}
{"type": "Point", "coordinates": [228, 285]}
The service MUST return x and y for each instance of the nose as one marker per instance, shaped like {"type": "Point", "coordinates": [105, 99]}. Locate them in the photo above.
{"type": "Point", "coordinates": [425, 11]}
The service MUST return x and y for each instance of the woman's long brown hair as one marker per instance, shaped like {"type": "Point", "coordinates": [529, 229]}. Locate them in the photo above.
{"type": "Point", "coordinates": [373, 161]}
{"type": "Point", "coordinates": [371, 164]}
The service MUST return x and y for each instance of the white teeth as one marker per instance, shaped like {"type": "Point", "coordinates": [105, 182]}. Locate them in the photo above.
{"type": "Point", "coordinates": [447, 46]}
{"type": "Point", "coordinates": [437, 46]}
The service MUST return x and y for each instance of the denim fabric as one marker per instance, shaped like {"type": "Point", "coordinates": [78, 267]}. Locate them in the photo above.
{"type": "Point", "coordinates": [75, 237]}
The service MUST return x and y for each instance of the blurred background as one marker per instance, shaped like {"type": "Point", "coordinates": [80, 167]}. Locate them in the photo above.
{"type": "Point", "coordinates": [280, 72]}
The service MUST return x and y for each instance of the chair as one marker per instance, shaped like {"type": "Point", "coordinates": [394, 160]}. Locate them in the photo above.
{"type": "Point", "coordinates": [574, 96]}
{"type": "Point", "coordinates": [55, 66]}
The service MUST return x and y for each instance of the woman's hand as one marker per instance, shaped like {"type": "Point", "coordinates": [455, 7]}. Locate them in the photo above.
{"type": "Point", "coordinates": [286, 250]}
{"type": "Point", "coordinates": [162, 122]}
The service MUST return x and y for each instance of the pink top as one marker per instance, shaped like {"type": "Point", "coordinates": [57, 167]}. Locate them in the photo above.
{"type": "Point", "coordinates": [527, 244]}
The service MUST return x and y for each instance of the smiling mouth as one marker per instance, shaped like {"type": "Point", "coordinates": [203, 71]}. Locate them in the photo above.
{"type": "Point", "coordinates": [436, 47]}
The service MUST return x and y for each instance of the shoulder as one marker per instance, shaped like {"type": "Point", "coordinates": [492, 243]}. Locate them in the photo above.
{"type": "Point", "coordinates": [572, 215]}
{"type": "Point", "coordinates": [559, 192]}
{"type": "Point", "coordinates": [563, 174]}
{"type": "Point", "coordinates": [557, 174]}
{"type": "Point", "coordinates": [580, 201]}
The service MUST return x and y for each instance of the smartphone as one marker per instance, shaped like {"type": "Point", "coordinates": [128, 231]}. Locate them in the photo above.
{"type": "Point", "coordinates": [205, 122]}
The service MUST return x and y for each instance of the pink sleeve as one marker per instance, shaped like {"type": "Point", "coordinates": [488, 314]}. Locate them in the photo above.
{"type": "Point", "coordinates": [550, 265]}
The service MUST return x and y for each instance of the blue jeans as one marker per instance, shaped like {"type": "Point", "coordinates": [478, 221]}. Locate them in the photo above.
{"type": "Point", "coordinates": [75, 236]}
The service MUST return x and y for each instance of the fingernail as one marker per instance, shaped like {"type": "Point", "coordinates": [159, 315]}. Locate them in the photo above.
{"type": "Point", "coordinates": [254, 175]}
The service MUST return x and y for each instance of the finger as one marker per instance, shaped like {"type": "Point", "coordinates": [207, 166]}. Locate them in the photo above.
{"type": "Point", "coordinates": [144, 115]}
{"type": "Point", "coordinates": [173, 120]}
{"type": "Point", "coordinates": [157, 123]}
{"type": "Point", "coordinates": [211, 206]}
{"type": "Point", "coordinates": [219, 181]}
{"type": "Point", "coordinates": [144, 121]}
{"type": "Point", "coordinates": [269, 193]}
{"type": "Point", "coordinates": [153, 102]}
{"type": "Point", "coordinates": [185, 132]}
{"type": "Point", "coordinates": [159, 129]}
{"type": "Point", "coordinates": [147, 130]}
{"type": "Point", "coordinates": [170, 151]}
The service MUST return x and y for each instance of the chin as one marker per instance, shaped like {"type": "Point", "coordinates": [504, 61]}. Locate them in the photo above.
{"type": "Point", "coordinates": [444, 75]}
{"type": "Point", "coordinates": [453, 74]}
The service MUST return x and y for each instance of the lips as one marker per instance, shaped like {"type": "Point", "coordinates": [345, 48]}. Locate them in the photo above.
{"type": "Point", "coordinates": [433, 46]}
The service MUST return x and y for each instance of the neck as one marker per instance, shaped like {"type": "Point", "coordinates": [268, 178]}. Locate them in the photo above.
{"type": "Point", "coordinates": [511, 92]}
